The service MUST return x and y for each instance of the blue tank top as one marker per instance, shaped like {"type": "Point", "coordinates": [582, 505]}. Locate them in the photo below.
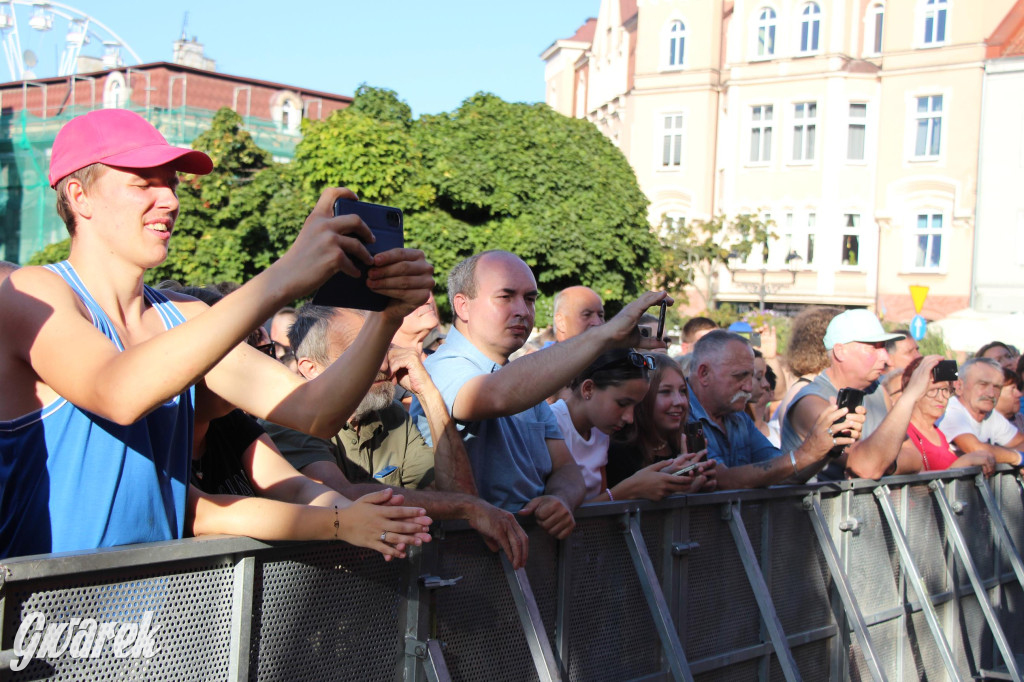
{"type": "Point", "coordinates": [71, 480]}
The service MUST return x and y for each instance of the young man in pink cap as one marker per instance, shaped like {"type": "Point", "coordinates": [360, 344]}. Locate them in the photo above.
{"type": "Point", "coordinates": [99, 371]}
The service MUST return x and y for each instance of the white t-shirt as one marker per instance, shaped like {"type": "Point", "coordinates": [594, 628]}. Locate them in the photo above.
{"type": "Point", "coordinates": [590, 454]}
{"type": "Point", "coordinates": [993, 429]}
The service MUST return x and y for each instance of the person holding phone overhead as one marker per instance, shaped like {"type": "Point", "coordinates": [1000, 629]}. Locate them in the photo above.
{"type": "Point", "coordinates": [856, 343]}
{"type": "Point", "coordinates": [100, 372]}
{"type": "Point", "coordinates": [648, 459]}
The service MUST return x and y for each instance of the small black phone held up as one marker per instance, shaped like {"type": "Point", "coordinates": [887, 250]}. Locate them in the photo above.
{"type": "Point", "coordinates": [345, 291]}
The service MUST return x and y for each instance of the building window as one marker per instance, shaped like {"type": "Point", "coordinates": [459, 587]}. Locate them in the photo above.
{"type": "Point", "coordinates": [856, 131]}
{"type": "Point", "coordinates": [873, 33]}
{"type": "Point", "coordinates": [676, 45]}
{"type": "Point", "coordinates": [766, 32]}
{"type": "Point", "coordinates": [851, 240]}
{"type": "Point", "coordinates": [672, 141]}
{"type": "Point", "coordinates": [928, 126]}
{"type": "Point", "coordinates": [935, 21]}
{"type": "Point", "coordinates": [805, 117]}
{"type": "Point", "coordinates": [812, 223]}
{"type": "Point", "coordinates": [761, 133]}
{"type": "Point", "coordinates": [810, 27]}
{"type": "Point", "coordinates": [928, 241]}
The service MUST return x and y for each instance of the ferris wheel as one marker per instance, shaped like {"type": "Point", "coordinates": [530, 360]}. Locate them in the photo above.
{"type": "Point", "coordinates": [29, 31]}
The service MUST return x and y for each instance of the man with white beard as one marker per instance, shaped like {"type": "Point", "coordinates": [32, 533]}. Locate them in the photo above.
{"type": "Point", "coordinates": [380, 445]}
{"type": "Point", "coordinates": [720, 382]}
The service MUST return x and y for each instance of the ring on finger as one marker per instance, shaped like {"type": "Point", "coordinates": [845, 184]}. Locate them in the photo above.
{"type": "Point", "coordinates": [834, 443]}
{"type": "Point", "coordinates": [383, 535]}
{"type": "Point", "coordinates": [830, 432]}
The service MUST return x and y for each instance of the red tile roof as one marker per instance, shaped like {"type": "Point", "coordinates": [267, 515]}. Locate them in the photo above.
{"type": "Point", "coordinates": [1008, 38]}
{"type": "Point", "coordinates": [585, 33]}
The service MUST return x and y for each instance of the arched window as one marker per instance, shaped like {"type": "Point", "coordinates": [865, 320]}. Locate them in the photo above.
{"type": "Point", "coordinates": [676, 44]}
{"type": "Point", "coordinates": [873, 28]}
{"type": "Point", "coordinates": [934, 19]}
{"type": "Point", "coordinates": [115, 91]}
{"type": "Point", "coordinates": [766, 32]}
{"type": "Point", "coordinates": [810, 27]}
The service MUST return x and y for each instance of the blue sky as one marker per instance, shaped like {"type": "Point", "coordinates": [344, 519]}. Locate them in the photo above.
{"type": "Point", "coordinates": [434, 54]}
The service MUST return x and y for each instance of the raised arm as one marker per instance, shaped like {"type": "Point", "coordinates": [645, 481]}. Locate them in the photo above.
{"type": "Point", "coordinates": [49, 337]}
{"type": "Point", "coordinates": [531, 379]}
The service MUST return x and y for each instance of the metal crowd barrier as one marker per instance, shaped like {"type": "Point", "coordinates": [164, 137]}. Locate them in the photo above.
{"type": "Point", "coordinates": [909, 578]}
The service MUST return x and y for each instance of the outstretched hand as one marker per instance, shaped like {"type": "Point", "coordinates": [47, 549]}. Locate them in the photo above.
{"type": "Point", "coordinates": [622, 329]}
{"type": "Point", "coordinates": [404, 276]}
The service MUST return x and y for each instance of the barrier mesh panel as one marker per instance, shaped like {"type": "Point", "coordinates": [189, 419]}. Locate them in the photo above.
{"type": "Point", "coordinates": [328, 612]}
{"type": "Point", "coordinates": [1010, 615]}
{"type": "Point", "coordinates": [191, 621]}
{"type": "Point", "coordinates": [799, 574]}
{"type": "Point", "coordinates": [976, 526]}
{"type": "Point", "coordinates": [811, 660]}
{"type": "Point", "coordinates": [971, 640]}
{"type": "Point", "coordinates": [925, 531]}
{"type": "Point", "coordinates": [477, 618]}
{"type": "Point", "coordinates": [873, 559]}
{"type": "Point", "coordinates": [542, 572]}
{"type": "Point", "coordinates": [885, 642]}
{"type": "Point", "coordinates": [611, 631]}
{"type": "Point", "coordinates": [738, 672]}
{"type": "Point", "coordinates": [721, 613]}
{"type": "Point", "coordinates": [921, 658]}
{"type": "Point", "coordinates": [1011, 502]}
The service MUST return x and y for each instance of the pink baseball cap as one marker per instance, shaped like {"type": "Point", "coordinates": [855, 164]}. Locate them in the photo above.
{"type": "Point", "coordinates": [118, 137]}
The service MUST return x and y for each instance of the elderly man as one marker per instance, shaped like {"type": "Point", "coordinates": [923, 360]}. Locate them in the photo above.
{"type": "Point", "coordinates": [857, 357]}
{"type": "Point", "coordinates": [519, 459]}
{"type": "Point", "coordinates": [720, 383]}
{"type": "Point", "coordinates": [380, 445]}
{"type": "Point", "coordinates": [971, 422]}
{"type": "Point", "coordinates": [577, 309]}
{"type": "Point", "coordinates": [902, 351]}
{"type": "Point", "coordinates": [100, 371]}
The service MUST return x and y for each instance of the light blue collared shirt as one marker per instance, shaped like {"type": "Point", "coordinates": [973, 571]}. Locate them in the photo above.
{"type": "Point", "coordinates": [509, 455]}
{"type": "Point", "coordinates": [741, 443]}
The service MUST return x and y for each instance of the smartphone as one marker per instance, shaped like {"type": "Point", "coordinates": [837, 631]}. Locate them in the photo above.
{"type": "Point", "coordinates": [661, 320]}
{"type": "Point", "coordinates": [695, 439]}
{"type": "Point", "coordinates": [686, 469]}
{"type": "Point", "coordinates": [946, 370]}
{"type": "Point", "coordinates": [345, 291]}
{"type": "Point", "coordinates": [755, 340]}
{"type": "Point", "coordinates": [850, 398]}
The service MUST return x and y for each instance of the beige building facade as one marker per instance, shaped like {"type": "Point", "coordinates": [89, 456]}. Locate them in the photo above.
{"type": "Point", "coordinates": [852, 124]}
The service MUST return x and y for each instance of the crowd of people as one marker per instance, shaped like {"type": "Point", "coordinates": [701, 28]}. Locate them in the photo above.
{"type": "Point", "coordinates": [133, 414]}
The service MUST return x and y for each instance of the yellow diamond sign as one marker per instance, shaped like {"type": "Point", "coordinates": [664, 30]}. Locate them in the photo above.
{"type": "Point", "coordinates": [918, 293]}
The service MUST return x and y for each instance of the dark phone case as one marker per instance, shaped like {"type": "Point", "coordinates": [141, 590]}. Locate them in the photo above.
{"type": "Point", "coordinates": [661, 320]}
{"type": "Point", "coordinates": [946, 370]}
{"type": "Point", "coordinates": [695, 439]}
{"type": "Point", "coordinates": [851, 398]}
{"type": "Point", "coordinates": [345, 291]}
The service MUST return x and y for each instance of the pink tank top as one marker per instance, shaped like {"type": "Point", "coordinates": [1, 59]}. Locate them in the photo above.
{"type": "Point", "coordinates": [936, 456]}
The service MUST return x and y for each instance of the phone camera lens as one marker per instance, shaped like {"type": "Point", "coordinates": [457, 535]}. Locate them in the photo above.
{"type": "Point", "coordinates": [394, 218]}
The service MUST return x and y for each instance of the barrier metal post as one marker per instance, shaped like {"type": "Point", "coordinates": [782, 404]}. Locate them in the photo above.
{"type": "Point", "coordinates": [999, 525]}
{"type": "Point", "coordinates": [882, 493]}
{"type": "Point", "coordinates": [842, 582]}
{"type": "Point", "coordinates": [533, 627]}
{"type": "Point", "coordinates": [731, 513]}
{"type": "Point", "coordinates": [938, 489]}
{"type": "Point", "coordinates": [241, 618]}
{"type": "Point", "coordinates": [660, 612]}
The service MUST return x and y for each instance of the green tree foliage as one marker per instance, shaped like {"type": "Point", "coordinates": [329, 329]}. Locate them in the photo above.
{"type": "Point", "coordinates": [492, 174]}
{"type": "Point", "coordinates": [51, 253]}
{"type": "Point", "coordinates": [237, 220]}
{"type": "Point", "coordinates": [692, 251]}
{"type": "Point", "coordinates": [549, 188]}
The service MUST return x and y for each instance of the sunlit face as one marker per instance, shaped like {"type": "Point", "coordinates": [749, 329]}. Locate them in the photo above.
{"type": "Point", "coordinates": [134, 212]}
{"type": "Point", "coordinates": [729, 383]}
{"type": "Point", "coordinates": [979, 390]}
{"type": "Point", "coordinates": [865, 361]}
{"type": "Point", "coordinates": [1003, 356]}
{"type": "Point", "coordinates": [904, 353]}
{"type": "Point", "coordinates": [671, 404]}
{"type": "Point", "coordinates": [610, 409]}
{"type": "Point", "coordinates": [760, 385]}
{"type": "Point", "coordinates": [1009, 400]}
{"type": "Point", "coordinates": [499, 319]}
{"type": "Point", "coordinates": [579, 309]}
{"type": "Point", "coordinates": [933, 403]}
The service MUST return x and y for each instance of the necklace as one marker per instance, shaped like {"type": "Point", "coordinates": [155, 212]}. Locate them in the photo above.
{"type": "Point", "coordinates": [659, 448]}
